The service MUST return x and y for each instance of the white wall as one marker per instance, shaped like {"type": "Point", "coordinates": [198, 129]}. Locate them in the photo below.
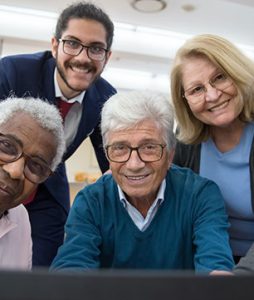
{"type": "Point", "coordinates": [83, 160]}
{"type": "Point", "coordinates": [10, 46]}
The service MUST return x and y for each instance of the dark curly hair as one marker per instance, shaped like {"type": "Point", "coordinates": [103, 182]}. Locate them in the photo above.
{"type": "Point", "coordinates": [85, 10]}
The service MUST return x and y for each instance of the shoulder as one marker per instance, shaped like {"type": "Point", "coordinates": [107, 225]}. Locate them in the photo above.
{"type": "Point", "coordinates": [28, 57]}
{"type": "Point", "coordinates": [184, 182]}
{"type": "Point", "coordinates": [97, 193]}
{"type": "Point", "coordinates": [24, 61]}
{"type": "Point", "coordinates": [194, 197]}
{"type": "Point", "coordinates": [103, 88]}
{"type": "Point", "coordinates": [95, 200]}
{"type": "Point", "coordinates": [184, 174]}
{"type": "Point", "coordinates": [187, 155]}
{"type": "Point", "coordinates": [103, 83]}
{"type": "Point", "coordinates": [187, 147]}
{"type": "Point", "coordinates": [19, 214]}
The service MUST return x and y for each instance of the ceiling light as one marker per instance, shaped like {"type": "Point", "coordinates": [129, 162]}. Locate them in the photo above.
{"type": "Point", "coordinates": [149, 6]}
{"type": "Point", "coordinates": [188, 7]}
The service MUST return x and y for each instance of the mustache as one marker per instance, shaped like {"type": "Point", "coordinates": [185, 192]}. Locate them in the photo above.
{"type": "Point", "coordinates": [86, 65]}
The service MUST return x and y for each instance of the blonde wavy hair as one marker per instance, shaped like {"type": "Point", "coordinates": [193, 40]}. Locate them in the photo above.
{"type": "Point", "coordinates": [227, 57]}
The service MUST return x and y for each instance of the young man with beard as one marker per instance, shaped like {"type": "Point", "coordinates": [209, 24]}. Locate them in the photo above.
{"type": "Point", "coordinates": [71, 71]}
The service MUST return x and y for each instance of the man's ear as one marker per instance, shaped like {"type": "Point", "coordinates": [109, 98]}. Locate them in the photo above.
{"type": "Point", "coordinates": [170, 157]}
{"type": "Point", "coordinates": [54, 46]}
{"type": "Point", "coordinates": [108, 55]}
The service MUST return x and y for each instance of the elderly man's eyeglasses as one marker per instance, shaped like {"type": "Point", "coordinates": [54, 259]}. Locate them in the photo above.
{"type": "Point", "coordinates": [35, 170]}
{"type": "Point", "coordinates": [197, 93]}
{"type": "Point", "coordinates": [74, 48]}
{"type": "Point", "coordinates": [121, 153]}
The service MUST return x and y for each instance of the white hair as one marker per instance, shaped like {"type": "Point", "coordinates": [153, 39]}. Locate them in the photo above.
{"type": "Point", "coordinates": [45, 114]}
{"type": "Point", "coordinates": [126, 109]}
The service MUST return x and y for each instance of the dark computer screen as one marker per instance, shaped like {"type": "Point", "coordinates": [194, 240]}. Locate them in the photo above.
{"type": "Point", "coordinates": [123, 285]}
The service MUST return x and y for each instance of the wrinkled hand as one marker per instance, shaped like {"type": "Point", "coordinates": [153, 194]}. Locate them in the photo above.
{"type": "Point", "coordinates": [220, 272]}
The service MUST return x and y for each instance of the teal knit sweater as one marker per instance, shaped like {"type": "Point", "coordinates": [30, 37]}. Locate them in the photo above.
{"type": "Point", "coordinates": [189, 231]}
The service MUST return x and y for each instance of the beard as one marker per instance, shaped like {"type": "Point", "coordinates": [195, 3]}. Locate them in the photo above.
{"type": "Point", "coordinates": [67, 65]}
{"type": "Point", "coordinates": [62, 75]}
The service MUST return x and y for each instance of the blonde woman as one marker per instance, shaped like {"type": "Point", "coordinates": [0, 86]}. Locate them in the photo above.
{"type": "Point", "coordinates": [212, 85]}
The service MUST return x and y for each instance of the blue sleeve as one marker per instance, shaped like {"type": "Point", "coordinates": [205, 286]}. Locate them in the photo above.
{"type": "Point", "coordinates": [210, 230]}
{"type": "Point", "coordinates": [81, 249]}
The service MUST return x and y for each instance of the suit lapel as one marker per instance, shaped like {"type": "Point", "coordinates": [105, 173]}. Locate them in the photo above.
{"type": "Point", "coordinates": [91, 108]}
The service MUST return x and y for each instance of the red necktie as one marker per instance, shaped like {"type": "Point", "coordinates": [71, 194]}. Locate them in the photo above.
{"type": "Point", "coordinates": [64, 107]}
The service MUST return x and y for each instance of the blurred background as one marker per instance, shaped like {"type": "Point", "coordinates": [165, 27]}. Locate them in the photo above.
{"type": "Point", "coordinates": [147, 35]}
{"type": "Point", "coordinates": [148, 32]}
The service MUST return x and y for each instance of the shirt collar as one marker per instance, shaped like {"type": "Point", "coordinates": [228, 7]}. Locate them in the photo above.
{"type": "Point", "coordinates": [159, 198]}
{"type": "Point", "coordinates": [6, 225]}
{"type": "Point", "coordinates": [79, 98]}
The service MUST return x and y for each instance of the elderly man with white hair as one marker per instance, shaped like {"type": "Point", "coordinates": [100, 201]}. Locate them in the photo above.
{"type": "Point", "coordinates": [147, 214]}
{"type": "Point", "coordinates": [31, 146]}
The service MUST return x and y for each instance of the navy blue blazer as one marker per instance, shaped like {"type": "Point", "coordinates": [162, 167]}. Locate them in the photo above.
{"type": "Point", "coordinates": [33, 75]}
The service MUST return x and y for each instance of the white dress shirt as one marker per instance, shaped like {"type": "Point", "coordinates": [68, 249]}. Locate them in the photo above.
{"type": "Point", "coordinates": [15, 239]}
{"type": "Point", "coordinates": [141, 222]}
{"type": "Point", "coordinates": [73, 116]}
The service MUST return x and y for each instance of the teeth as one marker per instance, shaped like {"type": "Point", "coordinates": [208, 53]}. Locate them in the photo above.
{"type": "Point", "coordinates": [135, 177]}
{"type": "Point", "coordinates": [222, 105]}
{"type": "Point", "coordinates": [79, 70]}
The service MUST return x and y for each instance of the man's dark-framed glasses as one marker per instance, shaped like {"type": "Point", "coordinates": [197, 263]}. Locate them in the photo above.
{"type": "Point", "coordinates": [36, 169]}
{"type": "Point", "coordinates": [148, 152]}
{"type": "Point", "coordinates": [74, 48]}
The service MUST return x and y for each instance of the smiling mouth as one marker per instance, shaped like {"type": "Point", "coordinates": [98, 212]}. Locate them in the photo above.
{"type": "Point", "coordinates": [81, 70]}
{"type": "Point", "coordinates": [219, 106]}
{"type": "Point", "coordinates": [136, 178]}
